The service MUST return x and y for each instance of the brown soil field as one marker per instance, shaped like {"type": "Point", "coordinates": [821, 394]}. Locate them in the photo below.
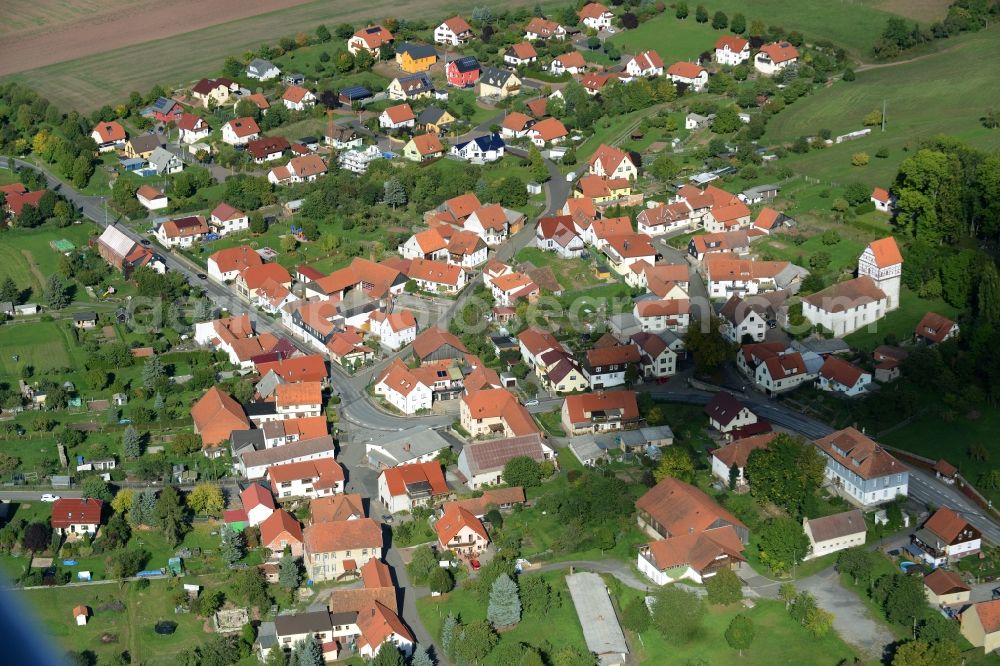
{"type": "Point", "coordinates": [45, 32]}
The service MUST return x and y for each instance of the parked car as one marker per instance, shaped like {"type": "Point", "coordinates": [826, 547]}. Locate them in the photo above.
{"type": "Point", "coordinates": [49, 497]}
{"type": "Point", "coordinates": [530, 403]}
{"type": "Point", "coordinates": [474, 564]}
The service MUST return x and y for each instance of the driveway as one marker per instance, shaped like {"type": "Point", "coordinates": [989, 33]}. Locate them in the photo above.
{"type": "Point", "coordinates": [616, 568]}
{"type": "Point", "coordinates": [850, 616]}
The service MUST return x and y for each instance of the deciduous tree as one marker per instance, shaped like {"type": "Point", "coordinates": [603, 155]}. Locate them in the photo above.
{"type": "Point", "coordinates": [740, 633]}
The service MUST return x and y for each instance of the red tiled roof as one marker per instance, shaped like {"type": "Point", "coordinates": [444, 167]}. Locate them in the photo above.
{"type": "Point", "coordinates": [310, 368]}
{"type": "Point", "coordinates": [69, 511]}
{"type": "Point", "coordinates": [343, 535]}
{"type": "Point", "coordinates": [243, 127]}
{"type": "Point", "coordinates": [400, 113]}
{"type": "Point", "coordinates": [216, 415]}
{"type": "Point", "coordinates": [681, 508]}
{"type": "Point", "coordinates": [687, 70]}
{"type": "Point", "coordinates": [255, 495]}
{"type": "Point", "coordinates": [739, 451]}
{"type": "Point", "coordinates": [398, 478]}
{"type": "Point", "coordinates": [934, 327]}
{"type": "Point", "coordinates": [454, 519]}
{"type": "Point", "coordinates": [110, 131]}
{"type": "Point", "coordinates": [881, 194]}
{"type": "Point", "coordinates": [571, 59]}
{"type": "Point", "coordinates": [859, 454]}
{"type": "Point", "coordinates": [942, 581]}
{"type": "Point", "coordinates": [458, 25]}
{"type": "Point", "coordinates": [697, 549]}
{"type": "Point", "coordinates": [427, 144]}
{"type": "Point", "coordinates": [988, 613]}
{"type": "Point", "coordinates": [886, 252]}
{"type": "Point", "coordinates": [524, 51]}
{"type": "Point", "coordinates": [780, 52]}
{"type": "Point", "coordinates": [946, 524]}
{"type": "Point", "coordinates": [432, 339]}
{"type": "Point", "coordinates": [579, 406]}
{"type": "Point", "coordinates": [734, 43]}
{"type": "Point", "coordinates": [494, 403]}
{"type": "Point", "coordinates": [277, 525]}
{"type": "Point", "coordinates": [337, 507]}
{"type": "Point", "coordinates": [840, 371]}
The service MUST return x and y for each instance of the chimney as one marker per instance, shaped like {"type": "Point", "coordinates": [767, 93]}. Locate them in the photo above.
{"type": "Point", "coordinates": [406, 447]}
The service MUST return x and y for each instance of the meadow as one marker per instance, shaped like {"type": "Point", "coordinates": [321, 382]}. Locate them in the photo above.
{"type": "Point", "coordinates": [923, 99]}
{"type": "Point", "coordinates": [674, 40]}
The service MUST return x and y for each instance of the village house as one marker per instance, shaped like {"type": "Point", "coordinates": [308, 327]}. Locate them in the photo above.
{"type": "Point", "coordinates": [657, 316]}
{"type": "Point", "coordinates": [689, 74]}
{"type": "Point", "coordinates": [558, 371]}
{"type": "Point", "coordinates": [840, 376]}
{"type": "Point", "coordinates": [731, 50]}
{"type": "Point", "coordinates": [412, 87]}
{"type": "Point", "coordinates": [404, 487]}
{"type": "Point", "coordinates": [646, 64]}
{"type": "Point", "coordinates": [610, 366]}
{"type": "Point", "coordinates": [481, 149]}
{"type": "Point", "coordinates": [946, 538]}
{"type": "Point", "coordinates": [253, 463]}
{"type": "Point", "coordinates": [735, 454]}
{"type": "Point", "coordinates": [695, 537]}
{"type": "Point", "coordinates": [612, 162]}
{"type": "Point", "coordinates": [744, 320]}
{"type": "Point", "coordinates": [291, 629]}
{"type": "Point", "coordinates": [946, 588]}
{"type": "Point", "coordinates": [660, 219]}
{"type": "Point", "coordinates": [297, 98]}
{"type": "Point", "coordinates": [539, 29]}
{"type": "Point", "coordinates": [728, 276]}
{"type": "Point", "coordinates": [182, 232]}
{"type": "Point", "coordinates": [262, 70]}
{"type": "Point", "coordinates": [401, 389]}
{"type": "Point", "coordinates": [463, 72]}
{"type": "Point", "coordinates": [981, 625]}
{"type": "Point", "coordinates": [225, 219]}
{"type": "Point", "coordinates": [933, 329]}
{"type": "Point", "coordinates": [571, 62]}
{"type": "Point", "coordinates": [125, 254]}
{"type": "Point", "coordinates": [596, 16]}
{"type": "Point", "coordinates": [371, 39]}
{"type": "Point", "coordinates": [515, 125]}
{"type": "Point", "coordinates": [281, 531]}
{"type": "Point", "coordinates": [412, 445]}
{"type": "Point", "coordinates": [413, 58]}
{"type": "Point", "coordinates": [393, 330]}
{"type": "Point", "coordinates": [337, 549]}
{"type": "Point", "coordinates": [882, 199]}
{"type": "Point", "coordinates": [214, 92]}
{"type": "Point", "coordinates": [498, 83]}
{"type": "Point", "coordinates": [512, 287]}
{"type": "Point", "coordinates": [423, 147]}
{"type": "Point", "coordinates": [658, 359]}
{"type": "Point", "coordinates": [299, 400]}
{"type": "Point", "coordinates": [456, 31]}
{"type": "Point", "coordinates": [522, 53]}
{"type": "Point", "coordinates": [142, 146]}
{"type": "Point", "coordinates": [461, 532]}
{"type": "Point", "coordinates": [75, 517]}
{"type": "Point", "coordinates": [726, 413]}
{"type": "Point", "coordinates": [216, 415]}
{"type": "Point", "coordinates": [861, 469]}
{"type": "Point", "coordinates": [343, 137]}
{"type": "Point", "coordinates": [547, 132]}
{"type": "Point", "coordinates": [302, 169]}
{"type": "Point", "coordinates": [256, 505]}
{"type": "Point", "coordinates": [773, 368]}
{"type": "Point", "coordinates": [109, 136]}
{"type": "Point", "coordinates": [192, 128]}
{"type": "Point", "coordinates": [436, 343]}
{"type": "Point", "coordinates": [434, 120]}
{"type": "Point", "coordinates": [831, 534]}
{"type": "Point", "coordinates": [163, 162]}
{"type": "Point", "coordinates": [309, 479]}
{"type": "Point", "coordinates": [598, 412]}
{"type": "Point", "coordinates": [495, 413]}
{"type": "Point", "coordinates": [558, 234]}
{"type": "Point", "coordinates": [436, 276]}
{"type": "Point", "coordinates": [240, 131]}
{"type": "Point", "coordinates": [775, 57]}
{"type": "Point", "coordinates": [151, 198]}
{"type": "Point", "coordinates": [397, 117]}
{"type": "Point", "coordinates": [482, 463]}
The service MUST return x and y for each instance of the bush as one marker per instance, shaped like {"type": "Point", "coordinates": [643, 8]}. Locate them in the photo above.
{"type": "Point", "coordinates": [860, 159]}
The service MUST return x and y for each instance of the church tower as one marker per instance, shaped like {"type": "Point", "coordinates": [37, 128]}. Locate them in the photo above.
{"type": "Point", "coordinates": [883, 263]}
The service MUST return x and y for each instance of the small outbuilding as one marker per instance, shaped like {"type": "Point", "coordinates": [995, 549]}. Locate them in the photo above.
{"type": "Point", "coordinates": [82, 614]}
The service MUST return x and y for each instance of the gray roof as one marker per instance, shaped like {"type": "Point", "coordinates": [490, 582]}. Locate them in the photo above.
{"type": "Point", "coordinates": [406, 445]}
{"type": "Point", "coordinates": [760, 189]}
{"type": "Point", "coordinates": [601, 630]}
{"type": "Point", "coordinates": [312, 622]}
{"type": "Point", "coordinates": [161, 158]}
{"type": "Point", "coordinates": [260, 65]}
{"type": "Point", "coordinates": [838, 525]}
{"type": "Point", "coordinates": [249, 440]}
{"type": "Point", "coordinates": [821, 346]}
{"type": "Point", "coordinates": [495, 77]}
{"type": "Point", "coordinates": [625, 321]}
{"type": "Point", "coordinates": [790, 274]}
{"type": "Point", "coordinates": [653, 433]}
{"type": "Point", "coordinates": [416, 51]}
{"type": "Point", "coordinates": [586, 449]}
{"type": "Point", "coordinates": [145, 142]}
{"type": "Point", "coordinates": [430, 115]}
{"type": "Point", "coordinates": [268, 383]}
{"type": "Point", "coordinates": [280, 454]}
{"type": "Point", "coordinates": [267, 635]}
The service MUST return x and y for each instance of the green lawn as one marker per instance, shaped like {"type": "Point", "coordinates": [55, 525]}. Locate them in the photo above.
{"type": "Point", "coordinates": [847, 23]}
{"type": "Point", "coordinates": [26, 256]}
{"type": "Point", "coordinates": [570, 273]}
{"type": "Point", "coordinates": [552, 422]}
{"type": "Point", "coordinates": [900, 322]}
{"type": "Point", "coordinates": [843, 254]}
{"type": "Point", "coordinates": [923, 99]}
{"type": "Point", "coordinates": [128, 629]}
{"type": "Point", "coordinates": [778, 639]}
{"type": "Point", "coordinates": [674, 40]}
{"type": "Point", "coordinates": [42, 345]}
{"type": "Point", "coordinates": [558, 629]}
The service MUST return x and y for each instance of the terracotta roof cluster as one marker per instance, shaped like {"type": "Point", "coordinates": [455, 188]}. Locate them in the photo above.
{"type": "Point", "coordinates": [858, 453]}
{"type": "Point", "coordinates": [375, 279]}
{"type": "Point", "coordinates": [325, 473]}
{"type": "Point", "coordinates": [680, 508]}
{"type": "Point", "coordinates": [696, 549]}
{"type": "Point", "coordinates": [308, 368]}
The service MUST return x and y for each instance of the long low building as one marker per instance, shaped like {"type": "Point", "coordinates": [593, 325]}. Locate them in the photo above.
{"type": "Point", "coordinates": [482, 463]}
{"type": "Point", "coordinates": [253, 463]}
{"type": "Point", "coordinates": [601, 629]}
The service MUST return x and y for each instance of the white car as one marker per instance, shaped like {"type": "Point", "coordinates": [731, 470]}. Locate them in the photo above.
{"type": "Point", "coordinates": [530, 403]}
{"type": "Point", "coordinates": [49, 497]}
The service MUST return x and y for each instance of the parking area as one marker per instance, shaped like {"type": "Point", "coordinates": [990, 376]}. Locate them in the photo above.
{"type": "Point", "coordinates": [429, 311]}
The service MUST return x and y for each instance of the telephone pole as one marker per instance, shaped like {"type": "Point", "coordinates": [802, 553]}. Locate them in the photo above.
{"type": "Point", "coordinates": [883, 114]}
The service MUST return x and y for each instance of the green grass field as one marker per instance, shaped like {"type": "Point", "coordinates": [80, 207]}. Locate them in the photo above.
{"type": "Point", "coordinates": [131, 628]}
{"type": "Point", "coordinates": [778, 639]}
{"type": "Point", "coordinates": [674, 40]}
{"type": "Point", "coordinates": [923, 99]}
{"type": "Point", "coordinates": [900, 322]}
{"type": "Point", "coordinates": [848, 23]}
{"type": "Point", "coordinates": [560, 628]}
{"type": "Point", "coordinates": [25, 255]}
{"type": "Point", "coordinates": [42, 345]}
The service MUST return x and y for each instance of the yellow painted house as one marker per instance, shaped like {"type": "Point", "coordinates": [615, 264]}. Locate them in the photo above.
{"type": "Point", "coordinates": [415, 58]}
{"type": "Point", "coordinates": [602, 190]}
{"type": "Point", "coordinates": [435, 120]}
